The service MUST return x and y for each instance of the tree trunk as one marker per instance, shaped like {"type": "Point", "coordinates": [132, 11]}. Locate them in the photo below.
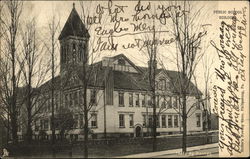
{"type": "Point", "coordinates": [184, 118]}
{"type": "Point", "coordinates": [86, 132]}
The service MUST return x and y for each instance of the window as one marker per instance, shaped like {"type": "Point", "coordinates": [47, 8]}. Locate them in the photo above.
{"type": "Point", "coordinates": [121, 99]}
{"type": "Point", "coordinates": [157, 122]}
{"type": "Point", "coordinates": [163, 103]}
{"type": "Point", "coordinates": [162, 84]}
{"type": "Point", "coordinates": [150, 121]}
{"type": "Point", "coordinates": [144, 120]}
{"type": "Point", "coordinates": [176, 123]}
{"type": "Point", "coordinates": [76, 98]}
{"type": "Point", "coordinates": [94, 120]}
{"type": "Point", "coordinates": [74, 52]}
{"type": "Point", "coordinates": [121, 121]}
{"type": "Point", "coordinates": [157, 101]}
{"type": "Point", "coordinates": [175, 102]}
{"type": "Point", "coordinates": [66, 100]}
{"type": "Point", "coordinates": [169, 102]}
{"type": "Point", "coordinates": [131, 120]}
{"type": "Point", "coordinates": [80, 55]}
{"type": "Point", "coordinates": [163, 121]}
{"type": "Point", "coordinates": [137, 103]}
{"type": "Point", "coordinates": [198, 105]}
{"type": "Point", "coordinates": [121, 62]}
{"type": "Point", "coordinates": [56, 102]}
{"type": "Point", "coordinates": [143, 100]}
{"type": "Point", "coordinates": [36, 125]}
{"type": "Point", "coordinates": [76, 121]}
{"type": "Point", "coordinates": [170, 125]}
{"type": "Point", "coordinates": [70, 99]}
{"type": "Point", "coordinates": [81, 121]}
{"type": "Point", "coordinates": [93, 96]}
{"type": "Point", "coordinates": [149, 101]}
{"type": "Point", "coordinates": [49, 104]}
{"type": "Point", "coordinates": [131, 99]}
{"type": "Point", "coordinates": [46, 125]}
{"type": "Point", "coordinates": [198, 120]}
{"type": "Point", "coordinates": [80, 97]}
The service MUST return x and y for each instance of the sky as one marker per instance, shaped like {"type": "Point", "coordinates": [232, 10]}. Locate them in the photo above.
{"type": "Point", "coordinates": [43, 11]}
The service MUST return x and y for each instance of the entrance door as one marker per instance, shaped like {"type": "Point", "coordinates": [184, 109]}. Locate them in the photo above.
{"type": "Point", "coordinates": [138, 131]}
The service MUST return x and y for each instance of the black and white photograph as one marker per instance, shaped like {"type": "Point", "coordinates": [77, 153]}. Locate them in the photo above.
{"type": "Point", "coordinates": [124, 79]}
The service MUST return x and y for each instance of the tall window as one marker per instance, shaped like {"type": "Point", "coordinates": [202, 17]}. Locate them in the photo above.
{"type": "Point", "coordinates": [143, 100]}
{"type": "Point", "coordinates": [80, 55]}
{"type": "Point", "coordinates": [169, 102]}
{"type": "Point", "coordinates": [170, 121]}
{"type": "Point", "coordinates": [162, 84]}
{"type": "Point", "coordinates": [49, 104]}
{"type": "Point", "coordinates": [131, 99]}
{"type": "Point", "coordinates": [176, 123]}
{"type": "Point", "coordinates": [198, 104]}
{"type": "Point", "coordinates": [150, 121]}
{"type": "Point", "coordinates": [198, 120]}
{"type": "Point", "coordinates": [121, 99]}
{"type": "Point", "coordinates": [76, 121]}
{"type": "Point", "coordinates": [76, 98]}
{"type": "Point", "coordinates": [81, 121]}
{"type": "Point", "coordinates": [70, 99]}
{"type": "Point", "coordinates": [144, 120]}
{"type": "Point", "coordinates": [94, 120]}
{"type": "Point", "coordinates": [121, 121]}
{"type": "Point", "coordinates": [157, 122]}
{"type": "Point", "coordinates": [137, 103]}
{"type": "Point", "coordinates": [93, 96]}
{"type": "Point", "coordinates": [74, 52]}
{"type": "Point", "coordinates": [131, 120]}
{"type": "Point", "coordinates": [163, 121]}
{"type": "Point", "coordinates": [157, 101]}
{"type": "Point", "coordinates": [175, 102]}
{"type": "Point", "coordinates": [56, 102]}
{"type": "Point", "coordinates": [149, 101]}
{"type": "Point", "coordinates": [80, 97]}
{"type": "Point", "coordinates": [163, 103]}
{"type": "Point", "coordinates": [46, 124]}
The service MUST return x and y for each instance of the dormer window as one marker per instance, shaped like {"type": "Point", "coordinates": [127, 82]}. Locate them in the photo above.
{"type": "Point", "coordinates": [121, 62]}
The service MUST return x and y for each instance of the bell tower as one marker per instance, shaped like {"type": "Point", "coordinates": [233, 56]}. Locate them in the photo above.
{"type": "Point", "coordinates": [73, 42]}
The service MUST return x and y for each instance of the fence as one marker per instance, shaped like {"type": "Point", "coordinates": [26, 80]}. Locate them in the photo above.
{"type": "Point", "coordinates": [109, 146]}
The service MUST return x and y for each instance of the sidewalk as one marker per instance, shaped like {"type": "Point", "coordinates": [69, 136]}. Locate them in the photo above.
{"type": "Point", "coordinates": [202, 150]}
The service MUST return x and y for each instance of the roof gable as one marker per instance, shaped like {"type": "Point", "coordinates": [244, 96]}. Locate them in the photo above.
{"type": "Point", "coordinates": [117, 61]}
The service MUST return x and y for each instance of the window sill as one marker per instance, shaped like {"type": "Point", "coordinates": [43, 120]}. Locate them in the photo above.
{"type": "Point", "coordinates": [131, 127]}
{"type": "Point", "coordinates": [121, 105]}
{"type": "Point", "coordinates": [93, 127]}
{"type": "Point", "coordinates": [121, 126]}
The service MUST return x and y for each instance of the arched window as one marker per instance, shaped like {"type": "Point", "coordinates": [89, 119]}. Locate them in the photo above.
{"type": "Point", "coordinates": [74, 51]}
{"type": "Point", "coordinates": [121, 62]}
{"type": "Point", "coordinates": [80, 54]}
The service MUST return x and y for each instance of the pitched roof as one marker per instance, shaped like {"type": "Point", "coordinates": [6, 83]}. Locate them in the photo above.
{"type": "Point", "coordinates": [127, 80]}
{"type": "Point", "coordinates": [74, 26]}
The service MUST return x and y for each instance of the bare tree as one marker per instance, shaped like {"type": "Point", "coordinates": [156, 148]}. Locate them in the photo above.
{"type": "Point", "coordinates": [33, 73]}
{"type": "Point", "coordinates": [10, 23]}
{"type": "Point", "coordinates": [189, 35]}
{"type": "Point", "coordinates": [90, 71]}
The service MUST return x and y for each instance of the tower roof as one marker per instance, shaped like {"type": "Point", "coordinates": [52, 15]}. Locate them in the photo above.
{"type": "Point", "coordinates": [74, 26]}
